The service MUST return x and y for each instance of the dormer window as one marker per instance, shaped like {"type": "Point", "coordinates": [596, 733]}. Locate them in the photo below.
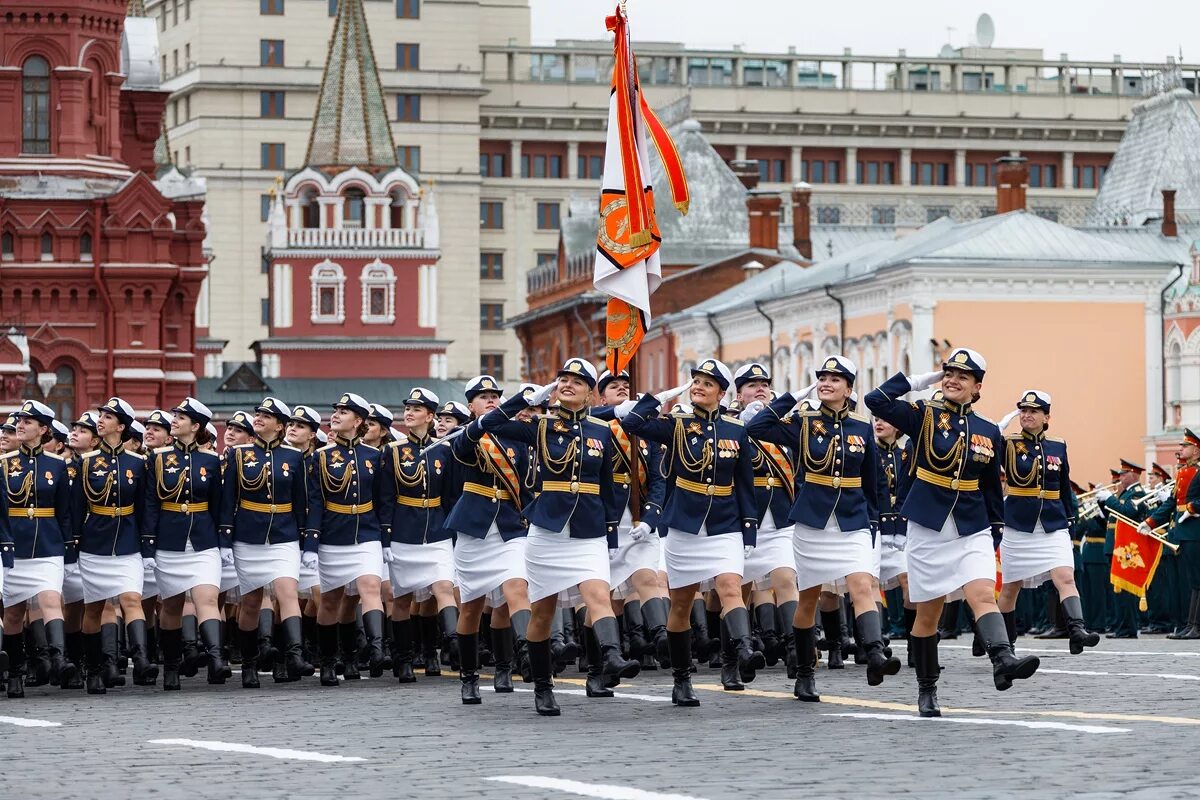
{"type": "Point", "coordinates": [85, 247]}
{"type": "Point", "coordinates": [7, 247]}
{"type": "Point", "coordinates": [356, 207]}
{"type": "Point", "coordinates": [328, 293]}
{"type": "Point", "coordinates": [47, 247]}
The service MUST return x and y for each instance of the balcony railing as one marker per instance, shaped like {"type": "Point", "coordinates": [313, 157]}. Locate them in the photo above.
{"type": "Point", "coordinates": [379, 238]}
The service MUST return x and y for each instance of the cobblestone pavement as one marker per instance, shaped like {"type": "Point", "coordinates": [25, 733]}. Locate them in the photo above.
{"type": "Point", "coordinates": [1122, 720]}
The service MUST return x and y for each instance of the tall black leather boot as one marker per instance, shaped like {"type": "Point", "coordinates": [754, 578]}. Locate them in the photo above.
{"type": "Point", "coordinates": [38, 669]}
{"type": "Point", "coordinates": [112, 674]}
{"type": "Point", "coordinates": [172, 646]}
{"type": "Point", "coordinates": [730, 677]}
{"type": "Point", "coordinates": [910, 617]}
{"type": "Point", "coordinates": [948, 627]}
{"type": "Point", "coordinates": [279, 673]}
{"type": "Point", "coordinates": [925, 653]}
{"type": "Point", "coordinates": [1191, 627]}
{"type": "Point", "coordinates": [210, 640]}
{"type": "Point", "coordinates": [609, 638]}
{"type": "Point", "coordinates": [831, 622]}
{"type": "Point", "coordinates": [558, 645]}
{"type": "Point", "coordinates": [701, 632]}
{"type": "Point", "coordinates": [402, 666]}
{"type": "Point", "coordinates": [571, 642]}
{"type": "Point", "coordinates": [582, 632]}
{"type": "Point", "coordinates": [312, 651]}
{"type": "Point", "coordinates": [503, 647]}
{"type": "Point", "coordinates": [787, 613]}
{"type": "Point", "coordinates": [93, 645]}
{"type": "Point", "coordinates": [348, 640]}
{"type": "Point", "coordinates": [193, 659]}
{"type": "Point", "coordinates": [327, 641]}
{"type": "Point", "coordinates": [144, 672]}
{"type": "Point", "coordinates": [75, 656]}
{"type": "Point", "coordinates": [715, 627]}
{"type": "Point", "coordinates": [871, 635]}
{"type": "Point", "coordinates": [468, 654]}
{"type": "Point", "coordinates": [1081, 637]}
{"type": "Point", "coordinates": [543, 684]}
{"type": "Point", "coordinates": [62, 671]}
{"type": "Point", "coordinates": [266, 639]}
{"type": "Point", "coordinates": [448, 617]}
{"type": "Point", "coordinates": [248, 644]}
{"type": "Point", "coordinates": [806, 665]}
{"type": "Point", "coordinates": [639, 644]}
{"type": "Point", "coordinates": [764, 615]}
{"type": "Point", "coordinates": [1006, 667]}
{"type": "Point", "coordinates": [1054, 613]}
{"type": "Point", "coordinates": [430, 636]}
{"type": "Point", "coordinates": [595, 685]}
{"type": "Point", "coordinates": [291, 649]}
{"type": "Point", "coordinates": [1010, 626]}
{"type": "Point", "coordinates": [14, 645]}
{"type": "Point", "coordinates": [520, 627]}
{"type": "Point", "coordinates": [682, 693]}
{"type": "Point", "coordinates": [373, 627]}
{"type": "Point", "coordinates": [860, 647]}
{"type": "Point", "coordinates": [737, 621]}
{"type": "Point", "coordinates": [654, 616]}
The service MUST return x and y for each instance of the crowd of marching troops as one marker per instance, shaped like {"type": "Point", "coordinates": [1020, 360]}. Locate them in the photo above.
{"type": "Point", "coordinates": [716, 524]}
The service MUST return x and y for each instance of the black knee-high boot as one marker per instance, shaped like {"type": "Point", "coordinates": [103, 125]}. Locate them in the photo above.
{"type": "Point", "coordinates": [520, 626]}
{"type": "Point", "coordinates": [926, 657]}
{"type": "Point", "coordinates": [172, 646]}
{"type": "Point", "coordinates": [737, 621]}
{"type": "Point", "coordinates": [870, 634]}
{"type": "Point", "coordinates": [614, 665]}
{"type": "Point", "coordinates": [543, 684]}
{"type": "Point", "coordinates": [402, 666]}
{"type": "Point", "coordinates": [831, 621]}
{"type": "Point", "coordinates": [75, 656]}
{"type": "Point", "coordinates": [654, 616]}
{"type": "Point", "coordinates": [14, 645]}
{"type": "Point", "coordinates": [210, 641]}
{"type": "Point", "coordinates": [680, 644]}
{"type": "Point", "coordinates": [712, 627]}
{"type": "Point", "coordinates": [468, 654]}
{"type": "Point", "coordinates": [373, 627]}
{"type": "Point", "coordinates": [764, 615]}
{"type": "Point", "coordinates": [312, 651]}
{"type": "Point", "coordinates": [266, 639]}
{"type": "Point", "coordinates": [910, 617]}
{"type": "Point", "coordinates": [62, 671]}
{"type": "Point", "coordinates": [93, 645]}
{"type": "Point", "coordinates": [730, 677]}
{"type": "Point", "coordinates": [1010, 626]}
{"type": "Point", "coordinates": [144, 672]}
{"type": "Point", "coordinates": [430, 637]}
{"type": "Point", "coordinates": [595, 685]}
{"type": "Point", "coordinates": [192, 658]}
{"type": "Point", "coordinates": [248, 644]}
{"type": "Point", "coordinates": [38, 669]}
{"type": "Point", "coordinates": [348, 641]}
{"type": "Point", "coordinates": [558, 645]}
{"type": "Point", "coordinates": [109, 637]}
{"type": "Point", "coordinates": [1006, 667]}
{"type": "Point", "coordinates": [291, 649]}
{"type": "Point", "coordinates": [503, 647]}
{"type": "Point", "coordinates": [948, 629]}
{"type": "Point", "coordinates": [327, 641]}
{"type": "Point", "coordinates": [806, 665]}
{"type": "Point", "coordinates": [571, 643]}
{"type": "Point", "coordinates": [581, 633]}
{"type": "Point", "coordinates": [1081, 637]}
{"type": "Point", "coordinates": [636, 630]}
{"type": "Point", "coordinates": [448, 617]}
{"type": "Point", "coordinates": [787, 614]}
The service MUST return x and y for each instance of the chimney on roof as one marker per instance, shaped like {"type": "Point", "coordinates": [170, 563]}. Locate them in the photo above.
{"type": "Point", "coordinates": [746, 172]}
{"type": "Point", "coordinates": [1012, 179]}
{"type": "Point", "coordinates": [751, 268]}
{"type": "Point", "coordinates": [764, 208]}
{"type": "Point", "coordinates": [802, 220]}
{"type": "Point", "coordinates": [1169, 228]}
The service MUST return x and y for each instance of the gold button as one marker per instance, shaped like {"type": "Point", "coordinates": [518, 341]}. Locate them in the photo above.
{"type": "Point", "coordinates": [711, 490]}
{"type": "Point", "coordinates": [837, 482]}
{"type": "Point", "coordinates": [954, 484]}
{"type": "Point", "coordinates": [354, 508]}
{"type": "Point", "coordinates": [274, 508]}
{"type": "Point", "coordinates": [574, 487]}
{"type": "Point", "coordinates": [30, 511]}
{"type": "Point", "coordinates": [1042, 494]}
{"type": "Point", "coordinates": [770, 482]}
{"type": "Point", "coordinates": [184, 508]}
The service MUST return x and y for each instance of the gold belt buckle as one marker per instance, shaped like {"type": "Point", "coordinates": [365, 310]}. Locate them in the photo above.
{"type": "Point", "coordinates": [1042, 494]}
{"type": "Point", "coordinates": [574, 487]}
{"type": "Point", "coordinates": [711, 490]}
{"type": "Point", "coordinates": [837, 482]}
{"type": "Point", "coordinates": [770, 483]}
{"type": "Point", "coordinates": [273, 508]}
{"type": "Point", "coordinates": [496, 497]}
{"type": "Point", "coordinates": [30, 512]}
{"type": "Point", "coordinates": [354, 508]}
{"type": "Point", "coordinates": [954, 484]}
{"type": "Point", "coordinates": [184, 508]}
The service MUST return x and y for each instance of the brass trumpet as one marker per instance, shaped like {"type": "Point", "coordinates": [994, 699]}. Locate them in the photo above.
{"type": "Point", "coordinates": [1151, 497]}
{"type": "Point", "coordinates": [1111, 487]}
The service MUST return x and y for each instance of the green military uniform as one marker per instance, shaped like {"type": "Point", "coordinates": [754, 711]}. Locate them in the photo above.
{"type": "Point", "coordinates": [1126, 604]}
{"type": "Point", "coordinates": [1095, 588]}
{"type": "Point", "coordinates": [1162, 595]}
{"type": "Point", "coordinates": [1185, 532]}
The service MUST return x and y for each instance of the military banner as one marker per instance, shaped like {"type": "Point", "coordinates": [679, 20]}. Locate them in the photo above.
{"type": "Point", "coordinates": [627, 260]}
{"type": "Point", "coordinates": [1134, 560]}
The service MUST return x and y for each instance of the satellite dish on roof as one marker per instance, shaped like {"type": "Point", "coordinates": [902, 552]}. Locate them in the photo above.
{"type": "Point", "coordinates": [985, 30]}
{"type": "Point", "coordinates": [947, 51]}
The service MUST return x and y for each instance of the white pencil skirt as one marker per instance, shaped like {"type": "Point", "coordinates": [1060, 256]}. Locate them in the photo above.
{"type": "Point", "coordinates": [29, 576]}
{"type": "Point", "coordinates": [259, 564]}
{"type": "Point", "coordinates": [1029, 557]}
{"type": "Point", "coordinates": [554, 562]}
{"type": "Point", "coordinates": [72, 585]}
{"type": "Point", "coordinates": [633, 556]}
{"type": "Point", "coordinates": [693, 558]}
{"type": "Point", "coordinates": [105, 577]}
{"type": "Point", "coordinates": [150, 582]}
{"type": "Point", "coordinates": [177, 572]}
{"type": "Point", "coordinates": [342, 564]}
{"type": "Point", "coordinates": [941, 562]}
{"type": "Point", "coordinates": [481, 566]}
{"type": "Point", "coordinates": [893, 562]}
{"type": "Point", "coordinates": [772, 551]}
{"type": "Point", "coordinates": [418, 566]}
{"type": "Point", "coordinates": [827, 556]}
{"type": "Point", "coordinates": [229, 581]}
{"type": "Point", "coordinates": [309, 579]}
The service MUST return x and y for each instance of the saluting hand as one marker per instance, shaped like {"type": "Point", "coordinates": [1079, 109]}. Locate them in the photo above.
{"type": "Point", "coordinates": [751, 410]}
{"type": "Point", "coordinates": [671, 394]}
{"type": "Point", "coordinates": [542, 396]}
{"type": "Point", "coordinates": [925, 380]}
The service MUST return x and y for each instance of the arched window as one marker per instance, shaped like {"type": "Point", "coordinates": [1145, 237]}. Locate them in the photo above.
{"type": "Point", "coordinates": [356, 209]}
{"type": "Point", "coordinates": [61, 397]}
{"type": "Point", "coordinates": [397, 210]}
{"type": "Point", "coordinates": [35, 106]}
{"type": "Point", "coordinates": [310, 210]}
{"type": "Point", "coordinates": [7, 247]}
{"type": "Point", "coordinates": [85, 247]}
{"type": "Point", "coordinates": [328, 293]}
{"type": "Point", "coordinates": [47, 247]}
{"type": "Point", "coordinates": [378, 293]}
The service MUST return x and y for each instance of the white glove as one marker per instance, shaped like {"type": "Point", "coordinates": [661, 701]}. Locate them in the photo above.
{"type": "Point", "coordinates": [924, 381]}
{"type": "Point", "coordinates": [388, 555]}
{"type": "Point", "coordinates": [751, 410]}
{"type": "Point", "coordinates": [1103, 495]}
{"type": "Point", "coordinates": [309, 560]}
{"type": "Point", "coordinates": [612, 553]}
{"type": "Point", "coordinates": [804, 393]}
{"type": "Point", "coordinates": [147, 563]}
{"type": "Point", "coordinates": [226, 557]}
{"type": "Point", "coordinates": [542, 396]}
{"type": "Point", "coordinates": [747, 551]}
{"type": "Point", "coordinates": [1144, 527]}
{"type": "Point", "coordinates": [622, 411]}
{"type": "Point", "coordinates": [671, 394]}
{"type": "Point", "coordinates": [1008, 418]}
{"type": "Point", "coordinates": [1186, 515]}
{"type": "Point", "coordinates": [1164, 493]}
{"type": "Point", "coordinates": [641, 532]}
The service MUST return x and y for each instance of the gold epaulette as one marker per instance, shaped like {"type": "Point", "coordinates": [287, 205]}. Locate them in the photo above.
{"type": "Point", "coordinates": [326, 447]}
{"type": "Point", "coordinates": [90, 453]}
{"type": "Point", "coordinates": [54, 455]}
{"type": "Point", "coordinates": [596, 420]}
{"type": "Point", "coordinates": [373, 447]}
{"type": "Point", "coordinates": [166, 449]}
{"type": "Point", "coordinates": [931, 403]}
{"type": "Point", "coordinates": [858, 416]}
{"type": "Point", "coordinates": [243, 444]}
{"type": "Point", "coordinates": [1012, 437]}
{"type": "Point", "coordinates": [1058, 439]}
{"type": "Point", "coordinates": [139, 455]}
{"type": "Point", "coordinates": [736, 421]}
{"type": "Point", "coordinates": [290, 447]}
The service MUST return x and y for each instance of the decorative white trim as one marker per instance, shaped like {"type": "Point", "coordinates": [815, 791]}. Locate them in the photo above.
{"type": "Point", "coordinates": [326, 275]}
{"type": "Point", "coordinates": [270, 365]}
{"type": "Point", "coordinates": [281, 295]}
{"type": "Point", "coordinates": [363, 343]}
{"type": "Point", "coordinates": [378, 275]}
{"type": "Point", "coordinates": [181, 377]}
{"type": "Point", "coordinates": [139, 373]}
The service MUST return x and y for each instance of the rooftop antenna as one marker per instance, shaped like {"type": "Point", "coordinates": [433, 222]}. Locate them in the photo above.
{"type": "Point", "coordinates": [985, 30]}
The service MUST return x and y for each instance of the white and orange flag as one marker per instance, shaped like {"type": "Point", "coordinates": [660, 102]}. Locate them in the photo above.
{"type": "Point", "coordinates": [627, 261]}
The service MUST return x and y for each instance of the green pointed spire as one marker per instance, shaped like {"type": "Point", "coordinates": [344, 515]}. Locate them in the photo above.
{"type": "Point", "coordinates": [350, 127]}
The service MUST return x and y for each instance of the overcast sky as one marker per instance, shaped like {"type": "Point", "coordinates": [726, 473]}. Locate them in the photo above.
{"type": "Point", "coordinates": [1148, 30]}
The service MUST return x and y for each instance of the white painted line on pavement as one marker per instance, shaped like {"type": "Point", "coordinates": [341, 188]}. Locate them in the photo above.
{"type": "Point", "coordinates": [1168, 675]}
{"type": "Point", "coordinates": [1057, 726]}
{"type": "Point", "coordinates": [602, 790]}
{"type": "Point", "coordinates": [26, 722]}
{"type": "Point", "coordinates": [1100, 651]}
{"type": "Point", "coordinates": [649, 698]}
{"type": "Point", "coordinates": [273, 752]}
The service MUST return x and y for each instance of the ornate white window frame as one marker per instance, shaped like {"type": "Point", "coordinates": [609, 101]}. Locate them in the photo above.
{"type": "Point", "coordinates": [325, 275]}
{"type": "Point", "coordinates": [378, 275]}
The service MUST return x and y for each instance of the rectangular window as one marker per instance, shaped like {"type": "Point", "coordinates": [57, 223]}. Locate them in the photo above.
{"type": "Point", "coordinates": [327, 301]}
{"type": "Point", "coordinates": [936, 212]}
{"type": "Point", "coordinates": [408, 57]}
{"type": "Point", "coordinates": [590, 167]}
{"type": "Point", "coordinates": [270, 7]}
{"type": "Point", "coordinates": [1085, 177]}
{"type": "Point", "coordinates": [270, 52]}
{"type": "Point", "coordinates": [492, 364]}
{"type": "Point", "coordinates": [491, 214]}
{"type": "Point", "coordinates": [492, 165]}
{"type": "Point", "coordinates": [408, 108]}
{"type": "Point", "coordinates": [817, 171]}
{"type": "Point", "coordinates": [547, 216]}
{"type": "Point", "coordinates": [1035, 176]}
{"type": "Point", "coordinates": [883, 215]}
{"type": "Point", "coordinates": [265, 311]}
{"type": "Point", "coordinates": [408, 9]}
{"type": "Point", "coordinates": [187, 155]}
{"type": "Point", "coordinates": [491, 266]}
{"type": "Point", "coordinates": [491, 316]}
{"type": "Point", "coordinates": [409, 157]}
{"type": "Point", "coordinates": [377, 302]}
{"type": "Point", "coordinates": [271, 155]}
{"type": "Point", "coordinates": [333, 8]}
{"type": "Point", "coordinates": [930, 174]}
{"type": "Point", "coordinates": [545, 257]}
{"type": "Point", "coordinates": [829, 215]}
{"type": "Point", "coordinates": [1050, 175]}
{"type": "Point", "coordinates": [270, 105]}
{"type": "Point", "coordinates": [264, 207]}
